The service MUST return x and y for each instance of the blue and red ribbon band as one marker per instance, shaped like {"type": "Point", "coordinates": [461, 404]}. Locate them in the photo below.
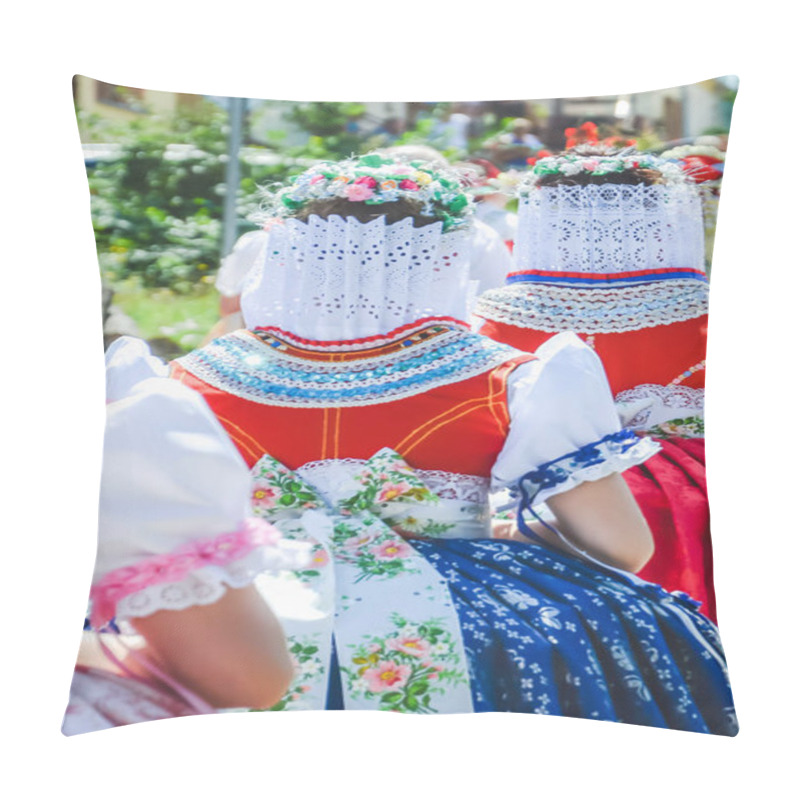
{"type": "Point", "coordinates": [604, 279]}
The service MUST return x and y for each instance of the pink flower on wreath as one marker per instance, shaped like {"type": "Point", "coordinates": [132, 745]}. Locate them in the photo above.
{"type": "Point", "coordinates": [409, 185]}
{"type": "Point", "coordinates": [317, 178]}
{"type": "Point", "coordinates": [591, 164]}
{"type": "Point", "coordinates": [387, 675]}
{"type": "Point", "coordinates": [393, 490]}
{"type": "Point", "coordinates": [388, 551]}
{"type": "Point", "coordinates": [357, 192]}
{"type": "Point", "coordinates": [263, 496]}
{"type": "Point", "coordinates": [365, 180]}
{"type": "Point", "coordinates": [410, 645]}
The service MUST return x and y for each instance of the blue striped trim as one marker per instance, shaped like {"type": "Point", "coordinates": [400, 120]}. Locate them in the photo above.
{"type": "Point", "coordinates": [627, 281]}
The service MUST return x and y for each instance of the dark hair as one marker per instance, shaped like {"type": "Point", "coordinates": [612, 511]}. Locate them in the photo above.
{"type": "Point", "coordinates": [364, 212]}
{"type": "Point", "coordinates": [629, 176]}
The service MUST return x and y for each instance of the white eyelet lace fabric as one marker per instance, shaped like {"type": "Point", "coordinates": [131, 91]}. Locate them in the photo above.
{"type": "Point", "coordinates": [338, 278]}
{"type": "Point", "coordinates": [208, 584]}
{"type": "Point", "coordinates": [610, 228]}
{"type": "Point", "coordinates": [617, 309]}
{"type": "Point", "coordinates": [658, 404]}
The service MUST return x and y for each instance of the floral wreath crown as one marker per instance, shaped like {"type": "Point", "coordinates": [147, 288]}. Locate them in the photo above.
{"type": "Point", "coordinates": [600, 162]}
{"type": "Point", "coordinates": [374, 180]}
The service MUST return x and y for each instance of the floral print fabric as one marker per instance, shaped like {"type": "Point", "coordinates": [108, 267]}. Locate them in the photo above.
{"type": "Point", "coordinates": [364, 576]}
{"type": "Point", "coordinates": [453, 624]}
{"type": "Point", "coordinates": [547, 633]}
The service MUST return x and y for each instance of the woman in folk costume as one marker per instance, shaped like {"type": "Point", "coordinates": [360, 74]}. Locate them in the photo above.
{"type": "Point", "coordinates": [490, 260]}
{"type": "Point", "coordinates": [376, 423]}
{"type": "Point", "coordinates": [178, 553]}
{"type": "Point", "coordinates": [610, 246]}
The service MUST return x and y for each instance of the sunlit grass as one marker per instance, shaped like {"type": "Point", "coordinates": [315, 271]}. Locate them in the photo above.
{"type": "Point", "coordinates": [185, 319]}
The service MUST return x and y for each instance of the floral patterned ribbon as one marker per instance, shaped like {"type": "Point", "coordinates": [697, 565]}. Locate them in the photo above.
{"type": "Point", "coordinates": [389, 611]}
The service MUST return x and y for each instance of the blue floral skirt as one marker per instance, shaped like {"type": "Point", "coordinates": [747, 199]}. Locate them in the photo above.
{"type": "Point", "coordinates": [547, 633]}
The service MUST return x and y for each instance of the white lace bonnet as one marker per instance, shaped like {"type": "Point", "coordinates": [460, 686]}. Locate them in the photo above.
{"type": "Point", "coordinates": [607, 227]}
{"type": "Point", "coordinates": [603, 257]}
{"type": "Point", "coordinates": [340, 278]}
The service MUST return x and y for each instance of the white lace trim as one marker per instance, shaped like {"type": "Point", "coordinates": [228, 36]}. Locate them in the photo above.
{"type": "Point", "coordinates": [335, 479]}
{"type": "Point", "coordinates": [650, 404]}
{"type": "Point", "coordinates": [610, 228]}
{"type": "Point", "coordinates": [340, 278]}
{"type": "Point", "coordinates": [208, 584]}
{"type": "Point", "coordinates": [553, 309]}
{"type": "Point", "coordinates": [456, 486]}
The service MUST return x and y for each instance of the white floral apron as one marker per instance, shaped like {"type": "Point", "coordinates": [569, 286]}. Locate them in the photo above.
{"type": "Point", "coordinates": [396, 632]}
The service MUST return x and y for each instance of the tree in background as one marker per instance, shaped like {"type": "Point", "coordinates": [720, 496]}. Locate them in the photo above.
{"type": "Point", "coordinates": [157, 204]}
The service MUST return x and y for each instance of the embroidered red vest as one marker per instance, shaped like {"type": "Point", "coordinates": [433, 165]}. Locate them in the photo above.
{"type": "Point", "coordinates": [456, 420]}
{"type": "Point", "coordinates": [662, 355]}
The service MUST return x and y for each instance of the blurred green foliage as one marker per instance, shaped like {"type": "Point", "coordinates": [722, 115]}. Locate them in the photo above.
{"type": "Point", "coordinates": [332, 129]}
{"type": "Point", "coordinates": [157, 201]}
{"type": "Point", "coordinates": [157, 204]}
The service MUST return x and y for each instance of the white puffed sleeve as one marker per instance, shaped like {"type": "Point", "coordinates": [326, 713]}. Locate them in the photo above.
{"type": "Point", "coordinates": [128, 362]}
{"type": "Point", "coordinates": [564, 425]}
{"type": "Point", "coordinates": [235, 266]}
{"type": "Point", "coordinates": [175, 525]}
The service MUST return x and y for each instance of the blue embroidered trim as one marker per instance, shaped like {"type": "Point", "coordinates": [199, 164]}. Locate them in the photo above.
{"type": "Point", "coordinates": [554, 472]}
{"type": "Point", "coordinates": [604, 282]}
{"type": "Point", "coordinates": [248, 368]}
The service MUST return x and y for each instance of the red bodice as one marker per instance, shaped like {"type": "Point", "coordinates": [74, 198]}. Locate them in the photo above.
{"type": "Point", "coordinates": [458, 427]}
{"type": "Point", "coordinates": [659, 355]}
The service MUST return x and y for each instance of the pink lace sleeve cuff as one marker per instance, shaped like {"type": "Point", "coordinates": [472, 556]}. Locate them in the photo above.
{"type": "Point", "coordinates": [197, 573]}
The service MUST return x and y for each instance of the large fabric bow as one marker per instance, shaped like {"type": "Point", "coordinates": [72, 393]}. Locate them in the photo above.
{"type": "Point", "coordinates": [368, 592]}
{"type": "Point", "coordinates": [385, 486]}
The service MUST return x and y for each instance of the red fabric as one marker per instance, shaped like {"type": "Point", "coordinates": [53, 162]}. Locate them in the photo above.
{"type": "Point", "coordinates": [701, 168]}
{"type": "Point", "coordinates": [670, 488]}
{"type": "Point", "coordinates": [459, 428]}
{"type": "Point", "coordinates": [650, 355]}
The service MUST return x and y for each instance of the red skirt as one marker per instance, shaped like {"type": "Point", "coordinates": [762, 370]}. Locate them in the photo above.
{"type": "Point", "coordinates": [670, 488]}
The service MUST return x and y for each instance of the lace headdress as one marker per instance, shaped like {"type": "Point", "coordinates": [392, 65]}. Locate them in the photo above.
{"type": "Point", "coordinates": [575, 216]}
{"type": "Point", "coordinates": [606, 242]}
{"type": "Point", "coordinates": [340, 278]}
